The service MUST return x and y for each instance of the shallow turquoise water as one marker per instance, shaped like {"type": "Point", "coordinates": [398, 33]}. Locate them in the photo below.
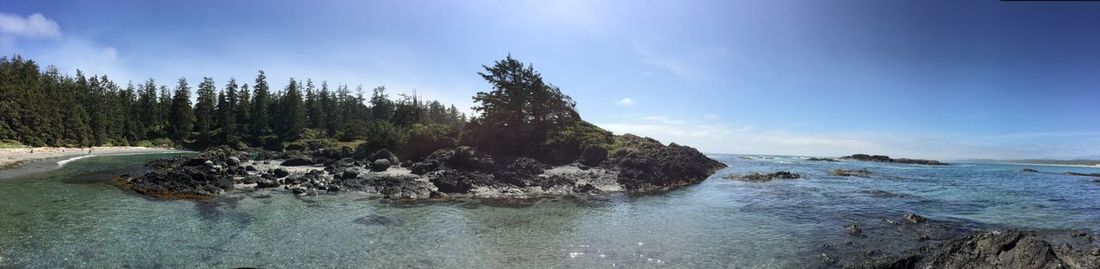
{"type": "Point", "coordinates": [74, 217]}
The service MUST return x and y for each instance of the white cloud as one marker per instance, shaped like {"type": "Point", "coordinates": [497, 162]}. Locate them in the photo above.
{"type": "Point", "coordinates": [625, 102]}
{"type": "Point", "coordinates": [34, 26]}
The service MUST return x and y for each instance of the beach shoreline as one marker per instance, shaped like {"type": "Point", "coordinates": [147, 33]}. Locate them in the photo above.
{"type": "Point", "coordinates": [22, 161]}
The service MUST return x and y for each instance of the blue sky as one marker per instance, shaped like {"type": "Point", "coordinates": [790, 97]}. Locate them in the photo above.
{"type": "Point", "coordinates": [937, 79]}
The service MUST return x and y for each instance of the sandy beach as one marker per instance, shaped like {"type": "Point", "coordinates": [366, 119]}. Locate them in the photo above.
{"type": "Point", "coordinates": [13, 158]}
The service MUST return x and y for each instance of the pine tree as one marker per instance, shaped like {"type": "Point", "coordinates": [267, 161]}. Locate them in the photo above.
{"type": "Point", "coordinates": [228, 113]}
{"type": "Point", "coordinates": [293, 112]}
{"type": "Point", "coordinates": [261, 120]}
{"type": "Point", "coordinates": [204, 111]}
{"type": "Point", "coordinates": [182, 117]}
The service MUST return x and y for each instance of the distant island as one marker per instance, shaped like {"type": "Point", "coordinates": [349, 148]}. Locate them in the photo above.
{"type": "Point", "coordinates": [527, 139]}
{"type": "Point", "coordinates": [887, 159]}
{"type": "Point", "coordinates": [1076, 162]}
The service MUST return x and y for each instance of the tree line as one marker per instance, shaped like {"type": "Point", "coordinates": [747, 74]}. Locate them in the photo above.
{"type": "Point", "coordinates": [521, 115]}
{"type": "Point", "coordinates": [42, 107]}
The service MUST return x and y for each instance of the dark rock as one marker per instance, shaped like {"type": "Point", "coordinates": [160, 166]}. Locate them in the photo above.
{"type": "Point", "coordinates": [233, 161]}
{"type": "Point", "coordinates": [299, 190]}
{"type": "Point", "coordinates": [300, 161]}
{"type": "Point", "coordinates": [380, 165]}
{"type": "Point", "coordinates": [463, 158]}
{"type": "Point", "coordinates": [887, 159]}
{"type": "Point", "coordinates": [914, 218]}
{"type": "Point", "coordinates": [350, 173]}
{"type": "Point", "coordinates": [593, 156]}
{"type": "Point", "coordinates": [266, 183]}
{"type": "Point", "coordinates": [422, 168]}
{"type": "Point", "coordinates": [816, 159]}
{"type": "Point", "coordinates": [250, 168]}
{"type": "Point", "coordinates": [1008, 249]}
{"type": "Point", "coordinates": [454, 181]}
{"type": "Point", "coordinates": [764, 177]}
{"type": "Point", "coordinates": [1083, 174]}
{"type": "Point", "coordinates": [281, 172]}
{"type": "Point", "coordinates": [522, 172]}
{"type": "Point", "coordinates": [1029, 170]}
{"type": "Point", "coordinates": [854, 229]}
{"type": "Point", "coordinates": [850, 172]}
{"type": "Point", "coordinates": [644, 164]}
{"type": "Point", "coordinates": [385, 154]}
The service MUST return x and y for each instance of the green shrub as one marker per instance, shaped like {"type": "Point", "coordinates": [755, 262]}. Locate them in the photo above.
{"type": "Point", "coordinates": [565, 145]}
{"type": "Point", "coordinates": [382, 135]}
{"type": "Point", "coordinates": [423, 139]}
{"type": "Point", "coordinates": [8, 143]}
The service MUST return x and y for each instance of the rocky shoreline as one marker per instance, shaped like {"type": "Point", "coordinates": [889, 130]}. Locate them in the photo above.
{"type": "Point", "coordinates": [640, 165]}
{"type": "Point", "coordinates": [913, 241]}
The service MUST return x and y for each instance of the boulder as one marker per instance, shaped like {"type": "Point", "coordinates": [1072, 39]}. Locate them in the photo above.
{"type": "Point", "coordinates": [350, 173]}
{"type": "Point", "coordinates": [914, 218]}
{"type": "Point", "coordinates": [593, 156]}
{"type": "Point", "coordinates": [1029, 170]}
{"type": "Point", "coordinates": [854, 229]}
{"type": "Point", "coordinates": [380, 165]}
{"type": "Point", "coordinates": [281, 172]}
{"type": "Point", "coordinates": [266, 183]}
{"type": "Point", "coordinates": [300, 161]}
{"type": "Point", "coordinates": [233, 161]}
{"type": "Point", "coordinates": [421, 168]}
{"type": "Point", "coordinates": [385, 154]}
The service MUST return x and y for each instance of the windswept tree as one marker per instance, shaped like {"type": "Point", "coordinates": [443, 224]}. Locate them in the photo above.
{"type": "Point", "coordinates": [520, 109]}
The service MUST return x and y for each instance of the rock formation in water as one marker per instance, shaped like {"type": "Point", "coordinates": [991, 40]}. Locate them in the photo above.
{"type": "Point", "coordinates": [637, 165]}
{"type": "Point", "coordinates": [887, 159]}
{"type": "Point", "coordinates": [765, 177]}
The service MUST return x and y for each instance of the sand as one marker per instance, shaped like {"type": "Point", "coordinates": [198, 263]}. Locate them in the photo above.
{"type": "Point", "coordinates": [45, 157]}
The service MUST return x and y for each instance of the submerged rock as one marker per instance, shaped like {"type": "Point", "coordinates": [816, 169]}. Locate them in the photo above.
{"type": "Point", "coordinates": [850, 172]}
{"type": "Point", "coordinates": [374, 219]}
{"type": "Point", "coordinates": [914, 218]}
{"type": "Point", "coordinates": [816, 159]}
{"type": "Point", "coordinates": [1029, 170]}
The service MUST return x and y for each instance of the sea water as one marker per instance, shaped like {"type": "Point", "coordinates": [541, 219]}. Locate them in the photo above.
{"type": "Point", "coordinates": [75, 217]}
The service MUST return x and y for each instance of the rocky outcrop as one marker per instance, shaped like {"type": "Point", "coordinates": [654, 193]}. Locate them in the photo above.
{"type": "Point", "coordinates": [764, 177]}
{"type": "Point", "coordinates": [638, 165]}
{"type": "Point", "coordinates": [817, 159]}
{"type": "Point", "coordinates": [887, 159]}
{"type": "Point", "coordinates": [950, 245]}
{"type": "Point", "coordinates": [200, 177]}
{"type": "Point", "coordinates": [644, 164]}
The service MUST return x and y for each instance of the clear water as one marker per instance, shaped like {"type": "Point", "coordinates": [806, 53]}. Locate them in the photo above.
{"type": "Point", "coordinates": [74, 217]}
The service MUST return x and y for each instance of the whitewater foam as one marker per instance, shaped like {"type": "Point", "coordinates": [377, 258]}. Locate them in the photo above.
{"type": "Point", "coordinates": [65, 161]}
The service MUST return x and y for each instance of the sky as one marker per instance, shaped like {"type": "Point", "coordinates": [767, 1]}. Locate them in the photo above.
{"type": "Point", "coordinates": [943, 79]}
